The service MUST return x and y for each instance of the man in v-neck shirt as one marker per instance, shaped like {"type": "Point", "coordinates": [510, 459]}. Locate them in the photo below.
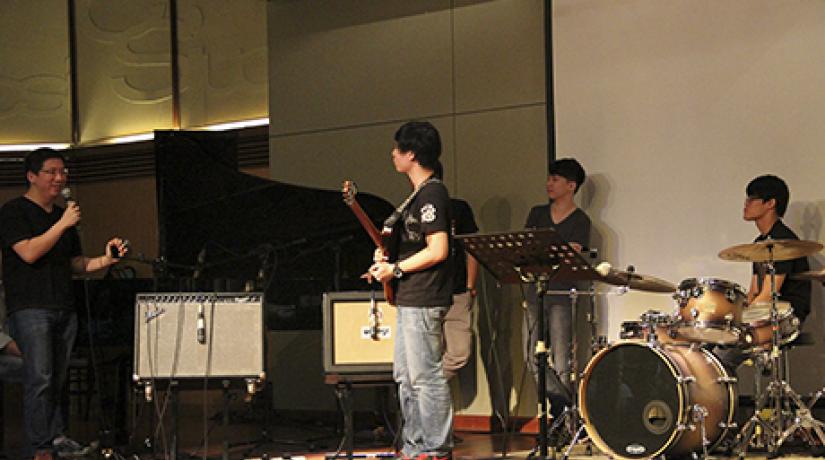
{"type": "Point", "coordinates": [41, 250]}
{"type": "Point", "coordinates": [563, 181]}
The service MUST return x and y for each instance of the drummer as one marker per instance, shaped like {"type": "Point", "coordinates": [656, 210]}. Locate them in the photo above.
{"type": "Point", "coordinates": [765, 204]}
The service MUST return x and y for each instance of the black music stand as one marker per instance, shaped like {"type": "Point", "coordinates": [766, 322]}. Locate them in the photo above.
{"type": "Point", "coordinates": [536, 257]}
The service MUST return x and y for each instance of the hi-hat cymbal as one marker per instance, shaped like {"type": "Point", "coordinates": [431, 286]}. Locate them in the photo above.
{"type": "Point", "coordinates": [770, 250]}
{"type": "Point", "coordinates": [637, 281]}
{"type": "Point", "coordinates": [813, 275]}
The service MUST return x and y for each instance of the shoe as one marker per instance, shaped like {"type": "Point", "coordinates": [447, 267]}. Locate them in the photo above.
{"type": "Point", "coordinates": [66, 447]}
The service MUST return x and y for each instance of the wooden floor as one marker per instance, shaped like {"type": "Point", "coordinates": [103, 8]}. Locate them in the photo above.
{"type": "Point", "coordinates": [251, 433]}
{"type": "Point", "coordinates": [317, 440]}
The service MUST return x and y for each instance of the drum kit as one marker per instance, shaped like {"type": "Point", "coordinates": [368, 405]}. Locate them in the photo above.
{"type": "Point", "coordinates": [660, 391]}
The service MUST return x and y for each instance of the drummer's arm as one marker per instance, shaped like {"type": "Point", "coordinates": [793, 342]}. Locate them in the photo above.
{"type": "Point", "coordinates": [765, 294]}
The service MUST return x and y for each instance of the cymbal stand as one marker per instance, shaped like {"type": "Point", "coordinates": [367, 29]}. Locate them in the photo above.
{"type": "Point", "coordinates": [778, 396]}
{"type": "Point", "coordinates": [571, 419]}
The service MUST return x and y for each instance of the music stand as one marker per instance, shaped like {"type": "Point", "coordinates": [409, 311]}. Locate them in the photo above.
{"type": "Point", "coordinates": [538, 257]}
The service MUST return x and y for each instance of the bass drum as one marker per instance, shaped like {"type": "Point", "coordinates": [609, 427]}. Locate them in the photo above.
{"type": "Point", "coordinates": [641, 401]}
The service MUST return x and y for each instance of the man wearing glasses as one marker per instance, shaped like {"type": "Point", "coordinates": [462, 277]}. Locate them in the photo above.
{"type": "Point", "coordinates": [41, 251]}
{"type": "Point", "coordinates": [766, 200]}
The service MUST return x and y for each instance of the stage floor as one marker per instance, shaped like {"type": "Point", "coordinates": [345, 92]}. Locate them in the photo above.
{"type": "Point", "coordinates": [253, 431]}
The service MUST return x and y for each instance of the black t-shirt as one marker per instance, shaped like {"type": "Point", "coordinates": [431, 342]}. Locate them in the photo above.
{"type": "Point", "coordinates": [46, 283]}
{"type": "Point", "coordinates": [573, 229]}
{"type": "Point", "coordinates": [797, 292]}
{"type": "Point", "coordinates": [463, 223]}
{"type": "Point", "coordinates": [429, 212]}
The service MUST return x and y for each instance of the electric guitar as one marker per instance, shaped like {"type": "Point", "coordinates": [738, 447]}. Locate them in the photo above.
{"type": "Point", "coordinates": [382, 239]}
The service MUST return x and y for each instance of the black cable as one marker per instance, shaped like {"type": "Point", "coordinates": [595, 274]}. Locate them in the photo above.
{"type": "Point", "coordinates": [207, 373]}
{"type": "Point", "coordinates": [92, 354]}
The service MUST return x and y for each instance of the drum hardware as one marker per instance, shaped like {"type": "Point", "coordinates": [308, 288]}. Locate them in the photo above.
{"type": "Point", "coordinates": [700, 413]}
{"type": "Point", "coordinates": [570, 418]}
{"type": "Point", "coordinates": [788, 414]}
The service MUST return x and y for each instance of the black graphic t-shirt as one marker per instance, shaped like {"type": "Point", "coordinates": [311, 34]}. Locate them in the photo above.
{"type": "Point", "coordinates": [428, 213]}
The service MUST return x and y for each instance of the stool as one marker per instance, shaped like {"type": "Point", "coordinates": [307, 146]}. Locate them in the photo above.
{"type": "Point", "coordinates": [344, 384]}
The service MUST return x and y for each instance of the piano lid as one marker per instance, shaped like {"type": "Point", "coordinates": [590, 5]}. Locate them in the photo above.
{"type": "Point", "coordinates": [227, 224]}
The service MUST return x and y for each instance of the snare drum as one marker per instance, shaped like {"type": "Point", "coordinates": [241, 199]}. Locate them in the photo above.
{"type": "Point", "coordinates": [710, 310]}
{"type": "Point", "coordinates": [757, 320]}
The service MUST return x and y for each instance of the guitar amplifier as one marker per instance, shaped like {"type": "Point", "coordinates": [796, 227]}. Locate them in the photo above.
{"type": "Point", "coordinates": [355, 339]}
{"type": "Point", "coordinates": [199, 335]}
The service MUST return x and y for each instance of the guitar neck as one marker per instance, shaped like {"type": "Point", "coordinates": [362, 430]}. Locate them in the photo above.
{"type": "Point", "coordinates": [365, 221]}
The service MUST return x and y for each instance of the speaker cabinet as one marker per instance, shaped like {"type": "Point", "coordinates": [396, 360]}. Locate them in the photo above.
{"type": "Point", "coordinates": [191, 335]}
{"type": "Point", "coordinates": [355, 339]}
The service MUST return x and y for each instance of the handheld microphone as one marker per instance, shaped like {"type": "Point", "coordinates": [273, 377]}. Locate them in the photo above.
{"type": "Point", "coordinates": [69, 198]}
{"type": "Point", "coordinates": [67, 194]}
{"type": "Point", "coordinates": [201, 325]}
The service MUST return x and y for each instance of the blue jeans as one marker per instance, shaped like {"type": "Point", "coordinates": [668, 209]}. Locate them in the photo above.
{"type": "Point", "coordinates": [426, 403]}
{"type": "Point", "coordinates": [45, 337]}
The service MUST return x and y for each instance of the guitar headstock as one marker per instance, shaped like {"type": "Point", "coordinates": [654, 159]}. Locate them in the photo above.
{"type": "Point", "coordinates": [349, 190]}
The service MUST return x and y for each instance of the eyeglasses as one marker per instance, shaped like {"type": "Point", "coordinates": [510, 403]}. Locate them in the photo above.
{"type": "Point", "coordinates": [751, 199]}
{"type": "Point", "coordinates": [55, 171]}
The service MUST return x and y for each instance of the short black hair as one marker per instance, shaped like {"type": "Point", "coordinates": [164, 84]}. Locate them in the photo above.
{"type": "Point", "coordinates": [770, 187]}
{"type": "Point", "coordinates": [35, 159]}
{"type": "Point", "coordinates": [421, 138]}
{"type": "Point", "coordinates": [569, 169]}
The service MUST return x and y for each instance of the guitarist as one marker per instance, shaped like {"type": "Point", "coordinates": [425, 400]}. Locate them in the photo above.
{"type": "Point", "coordinates": [423, 272]}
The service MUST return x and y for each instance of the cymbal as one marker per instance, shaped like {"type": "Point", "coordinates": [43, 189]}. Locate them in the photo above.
{"type": "Point", "coordinates": [764, 251]}
{"type": "Point", "coordinates": [637, 281]}
{"type": "Point", "coordinates": [813, 275]}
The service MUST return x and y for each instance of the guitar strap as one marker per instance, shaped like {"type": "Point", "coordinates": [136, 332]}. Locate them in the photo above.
{"type": "Point", "coordinates": [393, 219]}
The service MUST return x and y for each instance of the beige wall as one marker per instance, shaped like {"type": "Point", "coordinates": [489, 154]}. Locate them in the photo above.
{"type": "Point", "coordinates": [674, 106]}
{"type": "Point", "coordinates": [124, 74]}
{"type": "Point", "coordinates": [34, 75]}
{"type": "Point", "coordinates": [345, 74]}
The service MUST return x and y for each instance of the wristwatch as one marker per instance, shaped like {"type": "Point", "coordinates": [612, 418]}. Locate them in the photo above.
{"type": "Point", "coordinates": [396, 271]}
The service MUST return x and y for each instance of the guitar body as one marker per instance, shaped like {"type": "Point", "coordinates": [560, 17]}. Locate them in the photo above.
{"type": "Point", "coordinates": [387, 242]}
